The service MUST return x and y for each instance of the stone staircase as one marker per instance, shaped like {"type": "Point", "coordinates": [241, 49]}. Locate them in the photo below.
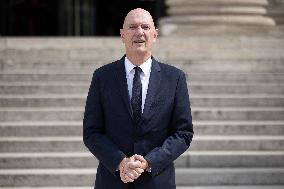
{"type": "Point", "coordinates": [236, 87]}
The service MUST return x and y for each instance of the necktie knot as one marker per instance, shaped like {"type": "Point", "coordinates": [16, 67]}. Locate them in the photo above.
{"type": "Point", "coordinates": [137, 70]}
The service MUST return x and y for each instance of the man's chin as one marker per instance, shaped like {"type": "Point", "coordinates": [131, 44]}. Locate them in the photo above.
{"type": "Point", "coordinates": [140, 50]}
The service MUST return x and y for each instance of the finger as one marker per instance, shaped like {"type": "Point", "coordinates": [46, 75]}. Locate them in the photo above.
{"type": "Point", "coordinates": [139, 170]}
{"type": "Point", "coordinates": [133, 174]}
{"type": "Point", "coordinates": [136, 155]}
{"type": "Point", "coordinates": [134, 164]}
{"type": "Point", "coordinates": [122, 177]}
{"type": "Point", "coordinates": [132, 158]}
{"type": "Point", "coordinates": [123, 180]}
{"type": "Point", "coordinates": [139, 158]}
{"type": "Point", "coordinates": [127, 178]}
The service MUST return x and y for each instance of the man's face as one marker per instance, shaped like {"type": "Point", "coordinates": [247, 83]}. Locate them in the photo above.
{"type": "Point", "coordinates": [138, 33]}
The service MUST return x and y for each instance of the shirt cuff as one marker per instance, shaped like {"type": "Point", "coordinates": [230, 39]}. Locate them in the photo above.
{"type": "Point", "coordinates": [149, 169]}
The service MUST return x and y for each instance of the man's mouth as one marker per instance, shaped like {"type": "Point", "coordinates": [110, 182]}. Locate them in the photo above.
{"type": "Point", "coordinates": [139, 41]}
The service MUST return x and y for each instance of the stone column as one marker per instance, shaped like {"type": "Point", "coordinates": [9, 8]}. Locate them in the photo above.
{"type": "Point", "coordinates": [187, 17]}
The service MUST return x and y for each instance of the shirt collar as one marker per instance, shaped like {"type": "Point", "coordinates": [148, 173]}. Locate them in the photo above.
{"type": "Point", "coordinates": [146, 66]}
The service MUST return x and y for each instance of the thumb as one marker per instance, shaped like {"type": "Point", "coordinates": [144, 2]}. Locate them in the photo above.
{"type": "Point", "coordinates": [139, 158]}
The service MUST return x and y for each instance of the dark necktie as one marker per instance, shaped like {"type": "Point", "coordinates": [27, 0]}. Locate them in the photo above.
{"type": "Point", "coordinates": [136, 100]}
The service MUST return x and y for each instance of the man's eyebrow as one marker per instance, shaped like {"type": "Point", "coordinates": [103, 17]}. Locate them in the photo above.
{"type": "Point", "coordinates": [140, 24]}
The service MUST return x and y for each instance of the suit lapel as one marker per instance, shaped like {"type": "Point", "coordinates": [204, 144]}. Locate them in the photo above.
{"type": "Point", "coordinates": [153, 88]}
{"type": "Point", "coordinates": [122, 83]}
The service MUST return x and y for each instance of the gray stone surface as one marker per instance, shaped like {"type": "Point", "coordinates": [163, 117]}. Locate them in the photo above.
{"type": "Point", "coordinates": [178, 187]}
{"type": "Point", "coordinates": [237, 17]}
{"type": "Point", "coordinates": [197, 100]}
{"type": "Point", "coordinates": [193, 177]}
{"type": "Point", "coordinates": [237, 77]}
{"type": "Point", "coordinates": [198, 113]}
{"type": "Point", "coordinates": [204, 88]}
{"type": "Point", "coordinates": [236, 91]}
{"type": "Point", "coordinates": [190, 159]}
{"type": "Point", "coordinates": [200, 143]}
{"type": "Point", "coordinates": [74, 128]}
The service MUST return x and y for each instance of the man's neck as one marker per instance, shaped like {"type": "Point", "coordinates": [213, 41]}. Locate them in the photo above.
{"type": "Point", "coordinates": [138, 59]}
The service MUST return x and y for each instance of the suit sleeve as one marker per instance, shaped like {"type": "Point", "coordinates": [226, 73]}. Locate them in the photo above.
{"type": "Point", "coordinates": [94, 129]}
{"type": "Point", "coordinates": [181, 131]}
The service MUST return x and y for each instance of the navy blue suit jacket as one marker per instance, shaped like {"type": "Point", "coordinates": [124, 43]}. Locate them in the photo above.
{"type": "Point", "coordinates": [163, 134]}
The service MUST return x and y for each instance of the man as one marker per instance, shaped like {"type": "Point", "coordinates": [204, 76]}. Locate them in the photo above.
{"type": "Point", "coordinates": [137, 118]}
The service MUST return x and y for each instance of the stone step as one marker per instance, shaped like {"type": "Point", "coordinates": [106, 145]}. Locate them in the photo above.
{"type": "Point", "coordinates": [200, 143]}
{"type": "Point", "coordinates": [195, 88]}
{"type": "Point", "coordinates": [188, 64]}
{"type": "Point", "coordinates": [227, 187]}
{"type": "Point", "coordinates": [236, 101]}
{"type": "Point", "coordinates": [273, 51]}
{"type": "Point", "coordinates": [231, 66]}
{"type": "Point", "coordinates": [190, 159]}
{"type": "Point", "coordinates": [194, 77]}
{"type": "Point", "coordinates": [89, 47]}
{"type": "Point", "coordinates": [235, 77]}
{"type": "Point", "coordinates": [222, 159]}
{"type": "Point", "coordinates": [244, 128]}
{"type": "Point", "coordinates": [184, 177]}
{"type": "Point", "coordinates": [235, 176]}
{"type": "Point", "coordinates": [198, 113]}
{"type": "Point", "coordinates": [74, 128]}
{"type": "Point", "coordinates": [178, 187]}
{"type": "Point", "coordinates": [236, 143]}
{"type": "Point", "coordinates": [51, 100]}
{"type": "Point", "coordinates": [238, 113]}
{"type": "Point", "coordinates": [38, 128]}
{"type": "Point", "coordinates": [224, 52]}
{"type": "Point", "coordinates": [67, 77]}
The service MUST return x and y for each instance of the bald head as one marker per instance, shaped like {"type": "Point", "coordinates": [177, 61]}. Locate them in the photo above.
{"type": "Point", "coordinates": [138, 35]}
{"type": "Point", "coordinates": [138, 13]}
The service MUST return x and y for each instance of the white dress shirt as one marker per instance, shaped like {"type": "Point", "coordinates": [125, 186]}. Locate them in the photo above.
{"type": "Point", "coordinates": [144, 76]}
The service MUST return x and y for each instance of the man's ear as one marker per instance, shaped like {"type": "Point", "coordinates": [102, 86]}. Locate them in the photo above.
{"type": "Point", "coordinates": [155, 35]}
{"type": "Point", "coordinates": [121, 35]}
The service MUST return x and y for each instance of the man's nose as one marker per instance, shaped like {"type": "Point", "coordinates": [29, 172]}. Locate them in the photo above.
{"type": "Point", "coordinates": [139, 30]}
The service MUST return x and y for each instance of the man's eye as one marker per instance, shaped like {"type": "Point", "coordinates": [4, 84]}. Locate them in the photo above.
{"type": "Point", "coordinates": [145, 27]}
{"type": "Point", "coordinates": [132, 27]}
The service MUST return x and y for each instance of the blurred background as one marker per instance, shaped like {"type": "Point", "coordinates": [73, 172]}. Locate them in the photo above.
{"type": "Point", "coordinates": [70, 17]}
{"type": "Point", "coordinates": [232, 52]}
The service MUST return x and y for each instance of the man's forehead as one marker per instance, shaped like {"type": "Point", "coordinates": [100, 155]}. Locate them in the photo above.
{"type": "Point", "coordinates": [138, 22]}
{"type": "Point", "coordinates": [138, 16]}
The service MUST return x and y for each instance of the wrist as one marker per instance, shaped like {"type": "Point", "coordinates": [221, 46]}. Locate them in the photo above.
{"type": "Point", "coordinates": [146, 165]}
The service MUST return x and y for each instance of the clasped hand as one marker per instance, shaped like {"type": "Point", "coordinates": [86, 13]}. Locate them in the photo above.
{"type": "Point", "coordinates": [131, 168]}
